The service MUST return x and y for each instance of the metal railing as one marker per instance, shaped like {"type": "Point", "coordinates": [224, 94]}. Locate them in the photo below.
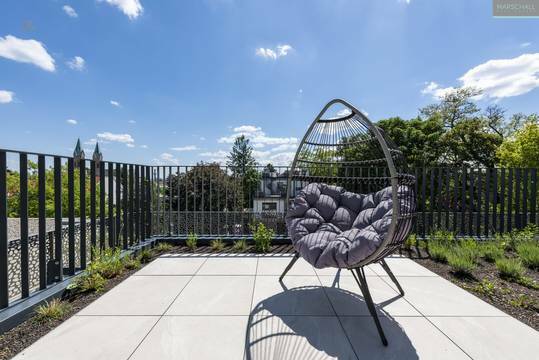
{"type": "Point", "coordinates": [110, 204]}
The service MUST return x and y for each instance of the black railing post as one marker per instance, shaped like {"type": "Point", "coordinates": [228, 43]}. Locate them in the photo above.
{"type": "Point", "coordinates": [125, 211]}
{"type": "Point", "coordinates": [110, 175]}
{"type": "Point", "coordinates": [82, 212]}
{"type": "Point", "coordinates": [118, 207]}
{"type": "Point", "coordinates": [23, 217]}
{"type": "Point", "coordinates": [131, 199]}
{"type": "Point", "coordinates": [71, 214]}
{"type": "Point", "coordinates": [102, 217]}
{"type": "Point", "coordinates": [42, 226]}
{"type": "Point", "coordinates": [93, 212]}
{"type": "Point", "coordinates": [4, 276]}
{"type": "Point", "coordinates": [57, 269]}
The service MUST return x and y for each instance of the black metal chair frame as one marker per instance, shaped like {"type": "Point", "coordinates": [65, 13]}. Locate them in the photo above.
{"type": "Point", "coordinates": [389, 155]}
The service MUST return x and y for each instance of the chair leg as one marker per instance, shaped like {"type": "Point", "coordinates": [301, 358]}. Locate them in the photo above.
{"type": "Point", "coordinates": [362, 282]}
{"type": "Point", "coordinates": [391, 276]}
{"type": "Point", "coordinates": [289, 266]}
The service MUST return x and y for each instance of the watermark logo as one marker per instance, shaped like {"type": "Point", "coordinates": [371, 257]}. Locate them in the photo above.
{"type": "Point", "coordinates": [515, 8]}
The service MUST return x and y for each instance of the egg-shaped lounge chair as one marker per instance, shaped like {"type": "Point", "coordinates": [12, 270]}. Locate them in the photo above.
{"type": "Point", "coordinates": [353, 203]}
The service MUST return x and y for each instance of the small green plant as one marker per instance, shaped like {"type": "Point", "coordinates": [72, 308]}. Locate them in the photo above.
{"type": "Point", "coordinates": [438, 252]}
{"type": "Point", "coordinates": [163, 247]}
{"type": "Point", "coordinates": [53, 310]}
{"type": "Point", "coordinates": [410, 242]}
{"type": "Point", "coordinates": [525, 301]}
{"type": "Point", "coordinates": [108, 263]}
{"type": "Point", "coordinates": [145, 256]}
{"type": "Point", "coordinates": [461, 262]}
{"type": "Point", "coordinates": [89, 281]}
{"type": "Point", "coordinates": [262, 237]}
{"type": "Point", "coordinates": [529, 254]}
{"type": "Point", "coordinates": [217, 245]}
{"type": "Point", "coordinates": [528, 282]}
{"type": "Point", "coordinates": [191, 242]}
{"type": "Point", "coordinates": [240, 245]}
{"type": "Point", "coordinates": [485, 287]}
{"type": "Point", "coordinates": [510, 269]}
{"type": "Point", "coordinates": [491, 251]}
{"type": "Point", "coordinates": [442, 237]}
{"type": "Point", "coordinates": [131, 263]}
{"type": "Point", "coordinates": [470, 247]}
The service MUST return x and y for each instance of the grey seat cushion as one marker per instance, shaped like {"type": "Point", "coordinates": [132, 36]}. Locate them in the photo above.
{"type": "Point", "coordinates": [331, 227]}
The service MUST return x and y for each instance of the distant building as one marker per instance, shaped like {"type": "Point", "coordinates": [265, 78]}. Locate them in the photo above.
{"type": "Point", "coordinates": [271, 194]}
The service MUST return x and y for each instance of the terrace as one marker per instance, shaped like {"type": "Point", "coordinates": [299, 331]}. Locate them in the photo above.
{"type": "Point", "coordinates": [233, 307]}
{"type": "Point", "coordinates": [195, 306]}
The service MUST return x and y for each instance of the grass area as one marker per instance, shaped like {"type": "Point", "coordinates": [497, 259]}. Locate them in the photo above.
{"type": "Point", "coordinates": [52, 310]}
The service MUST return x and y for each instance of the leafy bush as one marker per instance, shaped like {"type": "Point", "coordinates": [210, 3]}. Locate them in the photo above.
{"type": "Point", "coordinates": [145, 256]}
{"type": "Point", "coordinates": [442, 237]}
{"type": "Point", "coordinates": [529, 254]}
{"type": "Point", "coordinates": [217, 245]}
{"type": "Point", "coordinates": [510, 269]}
{"type": "Point", "coordinates": [55, 309]}
{"type": "Point", "coordinates": [262, 237]}
{"type": "Point", "coordinates": [240, 245]}
{"type": "Point", "coordinates": [131, 263]}
{"type": "Point", "coordinates": [491, 251]}
{"type": "Point", "coordinates": [107, 263]}
{"type": "Point", "coordinates": [526, 302]}
{"type": "Point", "coordinates": [87, 282]}
{"type": "Point", "coordinates": [485, 287]}
{"type": "Point", "coordinates": [461, 261]}
{"type": "Point", "coordinates": [163, 247]}
{"type": "Point", "coordinates": [470, 248]}
{"type": "Point", "coordinates": [192, 241]}
{"type": "Point", "coordinates": [438, 252]}
{"type": "Point", "coordinates": [410, 242]}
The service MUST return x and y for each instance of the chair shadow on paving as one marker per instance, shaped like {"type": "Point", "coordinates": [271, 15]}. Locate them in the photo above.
{"type": "Point", "coordinates": [293, 325]}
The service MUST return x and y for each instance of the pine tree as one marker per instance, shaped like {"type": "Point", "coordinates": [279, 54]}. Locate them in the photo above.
{"type": "Point", "coordinates": [243, 165]}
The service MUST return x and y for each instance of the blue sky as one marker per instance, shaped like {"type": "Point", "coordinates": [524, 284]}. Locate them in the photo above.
{"type": "Point", "coordinates": [172, 82]}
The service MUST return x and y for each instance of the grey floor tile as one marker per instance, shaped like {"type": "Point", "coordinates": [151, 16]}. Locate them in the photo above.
{"type": "Point", "coordinates": [409, 338]}
{"type": "Point", "coordinates": [172, 266]}
{"type": "Point", "coordinates": [296, 337]}
{"type": "Point", "coordinates": [491, 338]}
{"type": "Point", "coordinates": [229, 266]}
{"type": "Point", "coordinates": [138, 295]}
{"type": "Point", "coordinates": [91, 338]}
{"type": "Point", "coordinates": [194, 337]}
{"type": "Point", "coordinates": [215, 295]}
{"type": "Point", "coordinates": [276, 265]}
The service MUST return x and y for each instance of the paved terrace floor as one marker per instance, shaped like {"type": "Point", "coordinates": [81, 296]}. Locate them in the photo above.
{"type": "Point", "coordinates": [233, 307]}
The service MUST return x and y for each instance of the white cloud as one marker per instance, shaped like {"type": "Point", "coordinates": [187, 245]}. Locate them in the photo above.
{"type": "Point", "coordinates": [274, 54]}
{"type": "Point", "coordinates": [166, 159]}
{"type": "Point", "coordinates": [6, 96]}
{"type": "Point", "coordinates": [71, 121]}
{"type": "Point", "coordinates": [132, 8]}
{"type": "Point", "coordinates": [525, 44]}
{"type": "Point", "coordinates": [184, 148]}
{"type": "Point", "coordinates": [132, 122]}
{"type": "Point", "coordinates": [130, 145]}
{"type": "Point", "coordinates": [257, 137]}
{"type": "Point", "coordinates": [121, 138]}
{"type": "Point", "coordinates": [498, 78]}
{"type": "Point", "coordinates": [202, 138]}
{"type": "Point", "coordinates": [91, 141]}
{"type": "Point", "coordinates": [70, 11]}
{"type": "Point", "coordinates": [143, 146]}
{"type": "Point", "coordinates": [434, 89]}
{"type": "Point", "coordinates": [115, 103]}
{"type": "Point", "coordinates": [219, 156]}
{"type": "Point", "coordinates": [344, 112]}
{"type": "Point", "coordinates": [26, 51]}
{"type": "Point", "coordinates": [77, 63]}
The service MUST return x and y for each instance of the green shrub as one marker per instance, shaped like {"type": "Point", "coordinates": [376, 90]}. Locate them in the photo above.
{"type": "Point", "coordinates": [491, 251]}
{"type": "Point", "coordinates": [163, 247]}
{"type": "Point", "coordinates": [526, 302]}
{"type": "Point", "coordinates": [217, 245]}
{"type": "Point", "coordinates": [485, 287]}
{"type": "Point", "coordinates": [461, 261]}
{"type": "Point", "coordinates": [240, 245]}
{"type": "Point", "coordinates": [262, 237]}
{"type": "Point", "coordinates": [55, 309]}
{"type": "Point", "coordinates": [145, 256]}
{"type": "Point", "coordinates": [87, 282]}
{"type": "Point", "coordinates": [442, 237]}
{"type": "Point", "coordinates": [191, 242]}
{"type": "Point", "coordinates": [529, 254]}
{"type": "Point", "coordinates": [470, 248]}
{"type": "Point", "coordinates": [410, 242]}
{"type": "Point", "coordinates": [438, 252]}
{"type": "Point", "coordinates": [131, 263]}
{"type": "Point", "coordinates": [510, 269]}
{"type": "Point", "coordinates": [528, 282]}
{"type": "Point", "coordinates": [107, 263]}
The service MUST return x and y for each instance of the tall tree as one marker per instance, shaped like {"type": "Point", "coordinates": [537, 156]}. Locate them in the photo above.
{"type": "Point", "coordinates": [243, 165]}
{"type": "Point", "coordinates": [454, 106]}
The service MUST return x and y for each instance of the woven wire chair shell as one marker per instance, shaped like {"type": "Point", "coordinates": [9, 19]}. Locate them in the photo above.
{"type": "Point", "coordinates": [350, 151]}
